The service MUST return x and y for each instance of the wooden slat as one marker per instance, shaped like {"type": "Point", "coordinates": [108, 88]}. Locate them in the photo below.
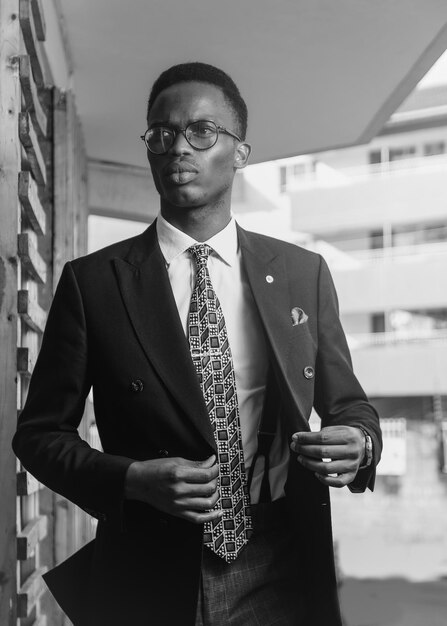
{"type": "Point", "coordinates": [30, 142]}
{"type": "Point", "coordinates": [30, 592]}
{"type": "Point", "coordinates": [25, 361]}
{"type": "Point", "coordinates": [30, 311]}
{"type": "Point", "coordinates": [29, 197]}
{"type": "Point", "coordinates": [32, 262]}
{"type": "Point", "coordinates": [61, 174]}
{"type": "Point", "coordinates": [41, 620]}
{"type": "Point", "coordinates": [34, 531]}
{"type": "Point", "coordinates": [30, 38]}
{"type": "Point", "coordinates": [39, 19]}
{"type": "Point", "coordinates": [32, 101]}
{"type": "Point", "coordinates": [9, 213]}
{"type": "Point", "coordinates": [27, 484]}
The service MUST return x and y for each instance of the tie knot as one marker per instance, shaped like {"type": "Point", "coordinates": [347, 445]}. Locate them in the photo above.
{"type": "Point", "coordinates": [201, 253]}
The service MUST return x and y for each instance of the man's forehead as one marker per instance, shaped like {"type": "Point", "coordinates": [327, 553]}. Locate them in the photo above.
{"type": "Point", "coordinates": [191, 99]}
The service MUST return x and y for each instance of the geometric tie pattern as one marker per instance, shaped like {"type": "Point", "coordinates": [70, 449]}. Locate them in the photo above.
{"type": "Point", "coordinates": [211, 355]}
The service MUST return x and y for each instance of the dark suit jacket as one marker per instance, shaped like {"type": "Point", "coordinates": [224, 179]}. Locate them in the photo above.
{"type": "Point", "coordinates": [114, 322]}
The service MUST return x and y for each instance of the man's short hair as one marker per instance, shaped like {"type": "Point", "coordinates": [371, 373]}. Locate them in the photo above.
{"type": "Point", "coordinates": [203, 73]}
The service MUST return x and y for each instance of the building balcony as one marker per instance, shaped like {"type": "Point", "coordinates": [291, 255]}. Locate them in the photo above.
{"type": "Point", "coordinates": [397, 338]}
{"type": "Point", "coordinates": [409, 277]}
{"type": "Point", "coordinates": [401, 363]}
{"type": "Point", "coordinates": [332, 200]}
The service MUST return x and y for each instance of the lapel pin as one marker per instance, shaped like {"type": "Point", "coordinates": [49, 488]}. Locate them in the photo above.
{"type": "Point", "coordinates": [269, 278]}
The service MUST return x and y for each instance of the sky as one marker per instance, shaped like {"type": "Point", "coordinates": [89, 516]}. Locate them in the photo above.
{"type": "Point", "coordinates": [437, 75]}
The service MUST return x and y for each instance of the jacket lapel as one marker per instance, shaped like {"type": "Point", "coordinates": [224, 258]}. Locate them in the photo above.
{"type": "Point", "coordinates": [147, 294]}
{"type": "Point", "coordinates": [267, 275]}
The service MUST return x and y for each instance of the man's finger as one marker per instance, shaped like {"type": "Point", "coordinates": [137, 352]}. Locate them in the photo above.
{"type": "Point", "coordinates": [322, 452]}
{"type": "Point", "coordinates": [201, 475]}
{"type": "Point", "coordinates": [337, 481]}
{"type": "Point", "coordinates": [199, 490]}
{"type": "Point", "coordinates": [330, 435]}
{"type": "Point", "coordinates": [326, 468]}
{"type": "Point", "coordinates": [209, 462]}
{"type": "Point", "coordinates": [197, 471]}
{"type": "Point", "coordinates": [200, 518]}
{"type": "Point", "coordinates": [198, 504]}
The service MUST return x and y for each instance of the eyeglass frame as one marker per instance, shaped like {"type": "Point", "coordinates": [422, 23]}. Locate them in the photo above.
{"type": "Point", "coordinates": [176, 131]}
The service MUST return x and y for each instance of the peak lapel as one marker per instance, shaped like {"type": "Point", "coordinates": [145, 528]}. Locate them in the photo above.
{"type": "Point", "coordinates": [267, 276]}
{"type": "Point", "coordinates": [147, 294]}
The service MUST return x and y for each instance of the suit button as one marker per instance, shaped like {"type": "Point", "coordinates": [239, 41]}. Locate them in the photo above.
{"type": "Point", "coordinates": [163, 453]}
{"type": "Point", "coordinates": [137, 385]}
{"type": "Point", "coordinates": [308, 372]}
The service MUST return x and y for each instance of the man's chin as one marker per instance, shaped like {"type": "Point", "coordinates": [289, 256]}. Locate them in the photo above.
{"type": "Point", "coordinates": [183, 199]}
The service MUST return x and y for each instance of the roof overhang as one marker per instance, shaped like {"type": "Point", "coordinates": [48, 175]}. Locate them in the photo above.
{"type": "Point", "coordinates": [316, 74]}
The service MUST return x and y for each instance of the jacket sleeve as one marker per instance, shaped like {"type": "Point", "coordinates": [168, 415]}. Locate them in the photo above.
{"type": "Point", "coordinates": [339, 397]}
{"type": "Point", "coordinates": [47, 440]}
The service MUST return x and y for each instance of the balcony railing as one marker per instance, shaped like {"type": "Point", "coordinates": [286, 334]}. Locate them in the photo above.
{"type": "Point", "coordinates": [326, 176]}
{"type": "Point", "coordinates": [397, 253]}
{"type": "Point", "coordinates": [397, 337]}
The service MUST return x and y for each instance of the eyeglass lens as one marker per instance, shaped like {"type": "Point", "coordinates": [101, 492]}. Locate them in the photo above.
{"type": "Point", "coordinates": [200, 135]}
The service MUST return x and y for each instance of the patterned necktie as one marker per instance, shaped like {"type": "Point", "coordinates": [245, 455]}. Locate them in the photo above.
{"type": "Point", "coordinates": [211, 355]}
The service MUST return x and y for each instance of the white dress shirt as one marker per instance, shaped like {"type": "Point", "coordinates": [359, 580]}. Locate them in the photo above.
{"type": "Point", "coordinates": [245, 334]}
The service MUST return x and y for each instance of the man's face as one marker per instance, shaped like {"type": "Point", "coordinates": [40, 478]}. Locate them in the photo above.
{"type": "Point", "coordinates": [186, 177]}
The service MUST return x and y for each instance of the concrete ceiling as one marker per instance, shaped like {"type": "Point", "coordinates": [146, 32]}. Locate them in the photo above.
{"type": "Point", "coordinates": [316, 74]}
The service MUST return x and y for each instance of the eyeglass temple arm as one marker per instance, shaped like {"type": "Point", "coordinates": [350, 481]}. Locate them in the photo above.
{"type": "Point", "coordinates": [228, 132]}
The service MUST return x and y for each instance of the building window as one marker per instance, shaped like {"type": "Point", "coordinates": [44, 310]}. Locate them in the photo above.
{"type": "Point", "coordinates": [376, 239]}
{"type": "Point", "coordinates": [433, 148]}
{"type": "Point", "coordinates": [282, 178]}
{"type": "Point", "coordinates": [385, 154]}
{"type": "Point", "coordinates": [419, 234]}
{"type": "Point", "coordinates": [375, 157]}
{"type": "Point", "coordinates": [378, 322]}
{"type": "Point", "coordinates": [443, 455]}
{"type": "Point", "coordinates": [418, 320]}
{"type": "Point", "coordinates": [394, 455]}
{"type": "Point", "coordinates": [299, 170]}
{"type": "Point", "coordinates": [398, 154]}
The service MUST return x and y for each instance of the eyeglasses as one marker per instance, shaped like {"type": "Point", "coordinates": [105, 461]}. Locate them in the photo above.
{"type": "Point", "coordinates": [200, 135]}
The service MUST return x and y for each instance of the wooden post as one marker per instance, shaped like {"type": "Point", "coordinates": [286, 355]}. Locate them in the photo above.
{"type": "Point", "coordinates": [32, 245]}
{"type": "Point", "coordinates": [9, 216]}
{"type": "Point", "coordinates": [72, 527]}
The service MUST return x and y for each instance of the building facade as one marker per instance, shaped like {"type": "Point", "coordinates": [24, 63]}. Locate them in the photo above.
{"type": "Point", "coordinates": [378, 214]}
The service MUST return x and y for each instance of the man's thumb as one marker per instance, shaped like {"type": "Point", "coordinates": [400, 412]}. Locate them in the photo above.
{"type": "Point", "coordinates": [209, 462]}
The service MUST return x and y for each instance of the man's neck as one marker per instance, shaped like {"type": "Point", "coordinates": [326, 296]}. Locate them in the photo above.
{"type": "Point", "coordinates": [199, 223]}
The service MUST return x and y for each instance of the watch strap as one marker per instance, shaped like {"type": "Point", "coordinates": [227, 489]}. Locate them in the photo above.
{"type": "Point", "coordinates": [368, 455]}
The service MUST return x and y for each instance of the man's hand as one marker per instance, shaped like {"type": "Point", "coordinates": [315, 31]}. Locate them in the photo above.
{"type": "Point", "coordinates": [336, 450]}
{"type": "Point", "coordinates": [180, 487]}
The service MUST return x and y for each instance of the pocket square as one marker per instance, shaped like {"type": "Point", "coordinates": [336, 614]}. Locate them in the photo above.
{"type": "Point", "coordinates": [298, 316]}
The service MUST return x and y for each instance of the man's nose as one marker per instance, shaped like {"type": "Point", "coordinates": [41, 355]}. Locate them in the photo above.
{"type": "Point", "coordinates": [180, 145]}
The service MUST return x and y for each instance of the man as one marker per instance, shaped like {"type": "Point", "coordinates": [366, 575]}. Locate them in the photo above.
{"type": "Point", "coordinates": [191, 334]}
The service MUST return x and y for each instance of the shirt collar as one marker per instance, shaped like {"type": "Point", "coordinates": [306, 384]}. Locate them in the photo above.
{"type": "Point", "coordinates": [174, 242]}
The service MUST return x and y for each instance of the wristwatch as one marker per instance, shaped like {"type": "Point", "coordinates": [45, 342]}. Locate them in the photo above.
{"type": "Point", "coordinates": [368, 456]}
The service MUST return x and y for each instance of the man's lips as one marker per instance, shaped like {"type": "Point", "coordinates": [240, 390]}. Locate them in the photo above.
{"type": "Point", "coordinates": [180, 172]}
{"type": "Point", "coordinates": [180, 167]}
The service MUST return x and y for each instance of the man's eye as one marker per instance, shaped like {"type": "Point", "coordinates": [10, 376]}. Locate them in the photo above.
{"type": "Point", "coordinates": [203, 130]}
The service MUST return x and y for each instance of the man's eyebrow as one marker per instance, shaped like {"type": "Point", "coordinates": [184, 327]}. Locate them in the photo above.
{"type": "Point", "coordinates": [190, 121]}
{"type": "Point", "coordinates": [159, 123]}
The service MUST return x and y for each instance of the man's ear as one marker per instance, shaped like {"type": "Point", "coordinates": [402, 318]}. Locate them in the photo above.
{"type": "Point", "coordinates": [241, 155]}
